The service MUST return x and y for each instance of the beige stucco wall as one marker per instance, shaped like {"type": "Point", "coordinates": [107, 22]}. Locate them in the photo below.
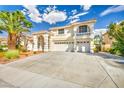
{"type": "Point", "coordinates": [67, 37]}
{"type": "Point", "coordinates": [69, 34]}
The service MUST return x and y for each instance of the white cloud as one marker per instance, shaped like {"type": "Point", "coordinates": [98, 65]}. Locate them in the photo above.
{"type": "Point", "coordinates": [24, 11]}
{"type": "Point", "coordinates": [74, 11]}
{"type": "Point", "coordinates": [112, 9]}
{"type": "Point", "coordinates": [100, 31]}
{"type": "Point", "coordinates": [75, 18]}
{"type": "Point", "coordinates": [54, 17]}
{"type": "Point", "coordinates": [35, 18]}
{"type": "Point", "coordinates": [32, 9]}
{"type": "Point", "coordinates": [49, 9]}
{"type": "Point", "coordinates": [33, 13]}
{"type": "Point", "coordinates": [73, 21]}
{"type": "Point", "coordinates": [78, 15]}
{"type": "Point", "coordinates": [86, 7]}
{"type": "Point", "coordinates": [50, 15]}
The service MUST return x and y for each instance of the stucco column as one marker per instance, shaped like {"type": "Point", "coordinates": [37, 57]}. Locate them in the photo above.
{"type": "Point", "coordinates": [92, 46]}
{"type": "Point", "coordinates": [46, 42]}
{"type": "Point", "coordinates": [35, 40]}
{"type": "Point", "coordinates": [91, 38]}
{"type": "Point", "coordinates": [75, 41]}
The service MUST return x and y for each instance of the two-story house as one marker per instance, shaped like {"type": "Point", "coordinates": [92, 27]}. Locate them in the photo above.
{"type": "Point", "coordinates": [75, 37]}
{"type": "Point", "coordinates": [107, 42]}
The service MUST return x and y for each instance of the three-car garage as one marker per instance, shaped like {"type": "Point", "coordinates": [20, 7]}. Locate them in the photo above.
{"type": "Point", "coordinates": [71, 46]}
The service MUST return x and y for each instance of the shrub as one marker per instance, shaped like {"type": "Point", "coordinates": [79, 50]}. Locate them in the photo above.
{"type": "Point", "coordinates": [1, 54]}
{"type": "Point", "coordinates": [22, 48]}
{"type": "Point", "coordinates": [95, 50]}
{"type": "Point", "coordinates": [12, 54]}
{"type": "Point", "coordinates": [3, 48]}
{"type": "Point", "coordinates": [107, 49]}
{"type": "Point", "coordinates": [112, 51]}
{"type": "Point", "coordinates": [118, 53]}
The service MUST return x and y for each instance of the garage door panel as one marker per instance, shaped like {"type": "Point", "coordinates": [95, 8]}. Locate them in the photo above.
{"type": "Point", "coordinates": [64, 47]}
{"type": "Point", "coordinates": [83, 47]}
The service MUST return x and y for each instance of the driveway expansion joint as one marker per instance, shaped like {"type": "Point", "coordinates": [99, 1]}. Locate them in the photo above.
{"type": "Point", "coordinates": [107, 73]}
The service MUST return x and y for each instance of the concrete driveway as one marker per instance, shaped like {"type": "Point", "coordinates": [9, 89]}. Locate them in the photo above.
{"type": "Point", "coordinates": [62, 69]}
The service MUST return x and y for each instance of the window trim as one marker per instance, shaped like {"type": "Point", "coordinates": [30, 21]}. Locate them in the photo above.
{"type": "Point", "coordinates": [80, 27]}
{"type": "Point", "coordinates": [60, 30]}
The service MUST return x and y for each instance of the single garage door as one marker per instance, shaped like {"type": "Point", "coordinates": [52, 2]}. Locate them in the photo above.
{"type": "Point", "coordinates": [83, 46]}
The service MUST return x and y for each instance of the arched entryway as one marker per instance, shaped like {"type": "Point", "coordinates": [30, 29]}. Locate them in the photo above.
{"type": "Point", "coordinates": [40, 43]}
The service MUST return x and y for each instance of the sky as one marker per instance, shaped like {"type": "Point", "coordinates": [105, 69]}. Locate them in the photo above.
{"type": "Point", "coordinates": [44, 17]}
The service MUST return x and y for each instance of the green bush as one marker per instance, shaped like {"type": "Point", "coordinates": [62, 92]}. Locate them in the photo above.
{"type": "Point", "coordinates": [95, 50]}
{"type": "Point", "coordinates": [3, 48]}
{"type": "Point", "coordinates": [22, 49]}
{"type": "Point", "coordinates": [118, 53]}
{"type": "Point", "coordinates": [107, 50]}
{"type": "Point", "coordinates": [112, 51]}
{"type": "Point", "coordinates": [12, 54]}
{"type": "Point", "coordinates": [117, 49]}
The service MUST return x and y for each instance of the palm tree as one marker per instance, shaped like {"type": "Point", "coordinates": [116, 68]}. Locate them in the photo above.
{"type": "Point", "coordinates": [13, 23]}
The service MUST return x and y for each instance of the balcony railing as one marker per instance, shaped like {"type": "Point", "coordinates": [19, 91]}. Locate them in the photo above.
{"type": "Point", "coordinates": [84, 33]}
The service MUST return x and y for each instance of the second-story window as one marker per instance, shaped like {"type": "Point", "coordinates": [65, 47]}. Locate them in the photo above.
{"type": "Point", "coordinates": [82, 29]}
{"type": "Point", "coordinates": [61, 31]}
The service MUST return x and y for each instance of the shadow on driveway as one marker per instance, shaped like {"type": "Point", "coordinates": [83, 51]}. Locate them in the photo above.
{"type": "Point", "coordinates": [112, 60]}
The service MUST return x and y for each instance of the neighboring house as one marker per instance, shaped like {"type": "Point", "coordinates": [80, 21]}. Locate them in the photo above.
{"type": "Point", "coordinates": [27, 41]}
{"type": "Point", "coordinates": [106, 42]}
{"type": "Point", "coordinates": [3, 41]}
{"type": "Point", "coordinates": [75, 37]}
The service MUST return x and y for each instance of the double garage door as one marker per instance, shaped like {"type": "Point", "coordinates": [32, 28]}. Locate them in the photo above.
{"type": "Point", "coordinates": [83, 46]}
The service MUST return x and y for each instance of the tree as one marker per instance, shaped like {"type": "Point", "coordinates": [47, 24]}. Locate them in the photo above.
{"type": "Point", "coordinates": [98, 42]}
{"type": "Point", "coordinates": [13, 23]}
{"type": "Point", "coordinates": [116, 31]}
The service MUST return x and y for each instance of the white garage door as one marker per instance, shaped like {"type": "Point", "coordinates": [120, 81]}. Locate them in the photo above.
{"type": "Point", "coordinates": [63, 46]}
{"type": "Point", "coordinates": [83, 46]}
{"type": "Point", "coordinates": [69, 47]}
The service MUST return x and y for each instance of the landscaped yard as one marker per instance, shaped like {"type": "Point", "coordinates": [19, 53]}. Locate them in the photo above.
{"type": "Point", "coordinates": [10, 57]}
